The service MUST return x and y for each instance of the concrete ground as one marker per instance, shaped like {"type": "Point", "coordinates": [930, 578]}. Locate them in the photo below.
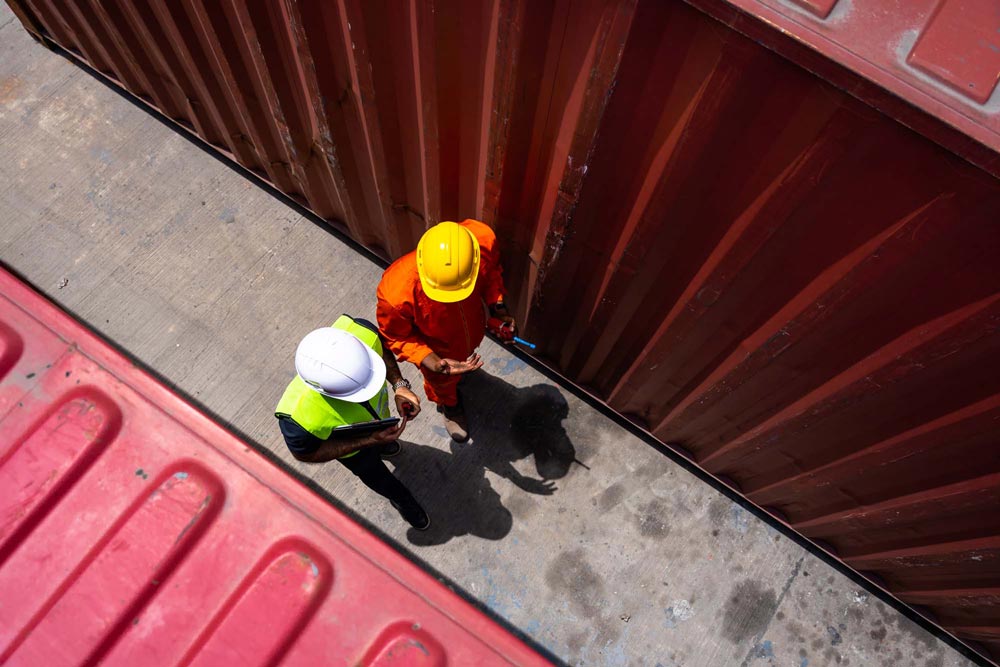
{"type": "Point", "coordinates": [578, 534]}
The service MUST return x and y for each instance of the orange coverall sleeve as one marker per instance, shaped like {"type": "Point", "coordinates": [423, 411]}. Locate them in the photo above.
{"type": "Point", "coordinates": [395, 323]}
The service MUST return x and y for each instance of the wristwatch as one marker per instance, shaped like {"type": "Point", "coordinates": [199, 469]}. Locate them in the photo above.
{"type": "Point", "coordinates": [401, 383]}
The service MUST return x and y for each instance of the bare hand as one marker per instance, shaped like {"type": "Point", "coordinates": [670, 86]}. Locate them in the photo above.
{"type": "Point", "coordinates": [387, 435]}
{"type": "Point", "coordinates": [451, 366]}
{"type": "Point", "coordinates": [407, 403]}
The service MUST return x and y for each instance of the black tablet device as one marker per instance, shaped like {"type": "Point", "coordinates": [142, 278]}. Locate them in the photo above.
{"type": "Point", "coordinates": [365, 428]}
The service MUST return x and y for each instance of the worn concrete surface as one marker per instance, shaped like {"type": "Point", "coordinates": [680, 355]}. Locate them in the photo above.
{"type": "Point", "coordinates": [620, 558]}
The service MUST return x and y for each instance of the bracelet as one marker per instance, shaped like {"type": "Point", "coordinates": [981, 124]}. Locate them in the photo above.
{"type": "Point", "coordinates": [401, 383]}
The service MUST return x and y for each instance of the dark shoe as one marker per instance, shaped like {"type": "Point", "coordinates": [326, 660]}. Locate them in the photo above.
{"type": "Point", "coordinates": [389, 450]}
{"type": "Point", "coordinates": [455, 422]}
{"type": "Point", "coordinates": [415, 516]}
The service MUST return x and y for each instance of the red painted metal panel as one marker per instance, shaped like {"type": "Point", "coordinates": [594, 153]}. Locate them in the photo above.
{"type": "Point", "coordinates": [763, 230]}
{"type": "Point", "coordinates": [820, 8]}
{"type": "Point", "coordinates": [961, 47]}
{"type": "Point", "coordinates": [149, 535]}
{"type": "Point", "coordinates": [914, 60]}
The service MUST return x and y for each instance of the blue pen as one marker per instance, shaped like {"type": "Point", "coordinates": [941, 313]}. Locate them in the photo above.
{"type": "Point", "coordinates": [524, 343]}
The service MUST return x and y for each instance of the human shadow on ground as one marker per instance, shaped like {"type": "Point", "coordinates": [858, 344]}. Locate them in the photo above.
{"type": "Point", "coordinates": [506, 424]}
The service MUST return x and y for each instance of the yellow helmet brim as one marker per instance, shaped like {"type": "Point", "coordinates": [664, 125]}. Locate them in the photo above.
{"type": "Point", "coordinates": [447, 296]}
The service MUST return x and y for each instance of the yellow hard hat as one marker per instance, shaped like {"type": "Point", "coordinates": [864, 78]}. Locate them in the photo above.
{"type": "Point", "coordinates": [448, 262]}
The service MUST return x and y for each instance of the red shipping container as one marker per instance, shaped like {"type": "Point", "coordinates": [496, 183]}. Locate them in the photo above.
{"type": "Point", "coordinates": [134, 530]}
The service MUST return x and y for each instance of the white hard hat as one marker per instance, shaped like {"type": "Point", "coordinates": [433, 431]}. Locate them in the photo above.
{"type": "Point", "coordinates": [337, 364]}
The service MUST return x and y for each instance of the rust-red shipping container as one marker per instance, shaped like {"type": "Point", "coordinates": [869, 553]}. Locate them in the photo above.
{"type": "Point", "coordinates": [146, 534]}
{"type": "Point", "coordinates": [764, 230]}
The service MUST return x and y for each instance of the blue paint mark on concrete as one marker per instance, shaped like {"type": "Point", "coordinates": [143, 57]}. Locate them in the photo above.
{"type": "Point", "coordinates": [114, 213]}
{"type": "Point", "coordinates": [102, 154]}
{"type": "Point", "coordinates": [228, 215]}
{"type": "Point", "coordinates": [176, 222]}
{"type": "Point", "coordinates": [181, 475]}
{"type": "Point", "coordinates": [504, 367]}
{"type": "Point", "coordinates": [804, 663]}
{"type": "Point", "coordinates": [614, 651]}
{"type": "Point", "coordinates": [492, 598]}
{"type": "Point", "coordinates": [533, 627]}
{"type": "Point", "coordinates": [440, 430]}
{"type": "Point", "coordinates": [740, 518]}
{"type": "Point", "coordinates": [616, 654]}
{"type": "Point", "coordinates": [766, 649]}
{"type": "Point", "coordinates": [505, 596]}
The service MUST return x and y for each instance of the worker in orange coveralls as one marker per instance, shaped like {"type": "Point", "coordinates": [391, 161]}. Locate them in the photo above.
{"type": "Point", "coordinates": [430, 309]}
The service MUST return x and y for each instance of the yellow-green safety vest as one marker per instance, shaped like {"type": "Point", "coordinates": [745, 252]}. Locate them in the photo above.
{"type": "Point", "coordinates": [320, 414]}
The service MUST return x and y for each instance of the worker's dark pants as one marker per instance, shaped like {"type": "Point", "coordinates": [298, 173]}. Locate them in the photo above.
{"type": "Point", "coordinates": [370, 469]}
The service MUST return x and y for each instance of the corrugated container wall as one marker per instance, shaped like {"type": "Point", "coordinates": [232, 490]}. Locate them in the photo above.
{"type": "Point", "coordinates": [794, 289]}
